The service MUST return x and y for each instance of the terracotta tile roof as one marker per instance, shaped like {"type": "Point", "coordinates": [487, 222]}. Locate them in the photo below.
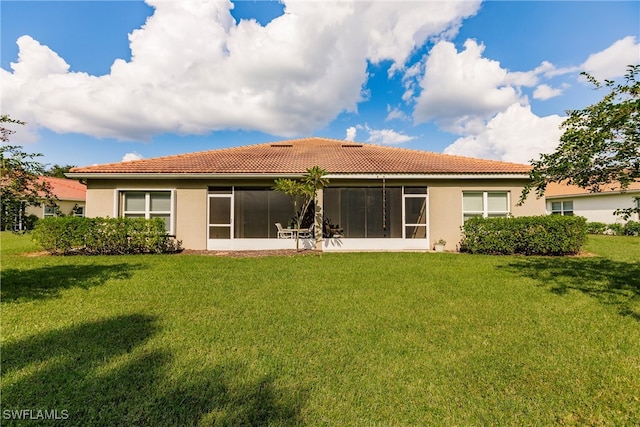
{"type": "Point", "coordinates": [555, 189]}
{"type": "Point", "coordinates": [295, 156]}
{"type": "Point", "coordinates": [66, 189]}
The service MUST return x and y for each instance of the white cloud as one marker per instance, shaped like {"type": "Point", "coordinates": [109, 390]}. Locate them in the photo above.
{"type": "Point", "coordinates": [515, 135]}
{"type": "Point", "coordinates": [460, 88]}
{"type": "Point", "coordinates": [380, 136]}
{"type": "Point", "coordinates": [612, 62]}
{"type": "Point", "coordinates": [351, 134]}
{"type": "Point", "coordinates": [388, 137]}
{"type": "Point", "coordinates": [130, 157]}
{"type": "Point", "coordinates": [395, 114]}
{"type": "Point", "coordinates": [545, 91]}
{"type": "Point", "coordinates": [194, 69]}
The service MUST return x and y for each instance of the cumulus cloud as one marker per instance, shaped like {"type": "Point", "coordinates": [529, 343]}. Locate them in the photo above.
{"type": "Point", "coordinates": [395, 114]}
{"type": "Point", "coordinates": [545, 91]}
{"type": "Point", "coordinates": [515, 135]}
{"type": "Point", "coordinates": [351, 134]}
{"type": "Point", "coordinates": [612, 62]}
{"type": "Point", "coordinates": [130, 157]}
{"type": "Point", "coordinates": [194, 69]}
{"type": "Point", "coordinates": [379, 136]}
{"type": "Point", "coordinates": [460, 88]}
{"type": "Point", "coordinates": [388, 137]}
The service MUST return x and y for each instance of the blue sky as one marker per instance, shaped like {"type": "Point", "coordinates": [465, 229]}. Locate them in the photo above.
{"type": "Point", "coordinates": [103, 81]}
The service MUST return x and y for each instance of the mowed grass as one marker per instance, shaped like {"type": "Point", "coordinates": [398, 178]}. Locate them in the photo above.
{"type": "Point", "coordinates": [334, 339]}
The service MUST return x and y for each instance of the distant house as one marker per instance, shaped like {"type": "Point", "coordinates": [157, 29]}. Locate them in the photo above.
{"type": "Point", "coordinates": [378, 198]}
{"type": "Point", "coordinates": [71, 198]}
{"type": "Point", "coordinates": [562, 199]}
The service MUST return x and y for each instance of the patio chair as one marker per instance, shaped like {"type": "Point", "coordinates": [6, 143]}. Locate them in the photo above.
{"type": "Point", "coordinates": [284, 233]}
{"type": "Point", "coordinates": [305, 232]}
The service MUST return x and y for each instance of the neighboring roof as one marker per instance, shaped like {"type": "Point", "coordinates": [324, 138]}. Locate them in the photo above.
{"type": "Point", "coordinates": [66, 189]}
{"type": "Point", "coordinates": [295, 156]}
{"type": "Point", "coordinates": [555, 190]}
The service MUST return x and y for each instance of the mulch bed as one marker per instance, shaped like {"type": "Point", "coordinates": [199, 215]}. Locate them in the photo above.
{"type": "Point", "coordinates": [252, 254]}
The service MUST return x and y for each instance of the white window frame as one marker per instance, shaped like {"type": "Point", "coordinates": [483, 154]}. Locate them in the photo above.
{"type": "Point", "coordinates": [485, 204]}
{"type": "Point", "coordinates": [120, 205]}
{"type": "Point", "coordinates": [563, 210]}
{"type": "Point", "coordinates": [46, 214]}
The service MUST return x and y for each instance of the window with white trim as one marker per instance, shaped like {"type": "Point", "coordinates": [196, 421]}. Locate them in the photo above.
{"type": "Point", "coordinates": [148, 204]}
{"type": "Point", "coordinates": [485, 204]}
{"type": "Point", "coordinates": [78, 211]}
{"type": "Point", "coordinates": [49, 211]}
{"type": "Point", "coordinates": [562, 208]}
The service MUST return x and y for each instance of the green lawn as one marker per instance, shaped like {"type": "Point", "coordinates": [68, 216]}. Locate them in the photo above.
{"type": "Point", "coordinates": [337, 339]}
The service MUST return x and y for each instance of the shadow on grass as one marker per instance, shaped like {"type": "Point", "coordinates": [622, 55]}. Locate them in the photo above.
{"type": "Point", "coordinates": [47, 282]}
{"type": "Point", "coordinates": [100, 373]}
{"type": "Point", "coordinates": [610, 282]}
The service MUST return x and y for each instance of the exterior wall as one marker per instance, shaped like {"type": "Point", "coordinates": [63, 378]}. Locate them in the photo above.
{"type": "Point", "coordinates": [65, 207]}
{"type": "Point", "coordinates": [599, 207]}
{"type": "Point", "coordinates": [444, 214]}
{"type": "Point", "coordinates": [445, 206]}
{"type": "Point", "coordinates": [190, 210]}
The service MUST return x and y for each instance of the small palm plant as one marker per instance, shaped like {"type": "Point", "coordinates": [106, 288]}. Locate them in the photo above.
{"type": "Point", "coordinates": [302, 193]}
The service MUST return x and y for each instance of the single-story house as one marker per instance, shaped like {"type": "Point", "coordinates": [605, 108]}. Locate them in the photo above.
{"type": "Point", "coordinates": [378, 197]}
{"type": "Point", "coordinates": [70, 198]}
{"type": "Point", "coordinates": [564, 199]}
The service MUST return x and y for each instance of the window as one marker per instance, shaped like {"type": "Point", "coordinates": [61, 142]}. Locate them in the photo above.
{"type": "Point", "coordinates": [485, 204]}
{"type": "Point", "coordinates": [49, 211]}
{"type": "Point", "coordinates": [562, 208]}
{"type": "Point", "coordinates": [148, 204]}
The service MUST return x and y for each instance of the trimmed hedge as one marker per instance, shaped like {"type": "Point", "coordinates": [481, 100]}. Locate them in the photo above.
{"type": "Point", "coordinates": [104, 236]}
{"type": "Point", "coordinates": [631, 228]}
{"type": "Point", "coordinates": [530, 235]}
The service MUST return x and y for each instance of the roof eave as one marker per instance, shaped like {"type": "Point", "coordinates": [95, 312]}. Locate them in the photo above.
{"type": "Point", "coordinates": [390, 175]}
{"type": "Point", "coordinates": [597, 193]}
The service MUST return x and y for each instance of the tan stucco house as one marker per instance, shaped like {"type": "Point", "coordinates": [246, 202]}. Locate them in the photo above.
{"type": "Point", "coordinates": [378, 198]}
{"type": "Point", "coordinates": [70, 198]}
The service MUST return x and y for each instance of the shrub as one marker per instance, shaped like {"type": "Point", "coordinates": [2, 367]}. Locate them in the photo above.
{"type": "Point", "coordinates": [596, 227]}
{"type": "Point", "coordinates": [533, 235]}
{"type": "Point", "coordinates": [104, 236]}
{"type": "Point", "coordinates": [615, 229]}
{"type": "Point", "coordinates": [632, 228]}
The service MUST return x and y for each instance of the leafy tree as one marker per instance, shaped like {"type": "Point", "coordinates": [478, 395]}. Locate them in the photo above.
{"type": "Point", "coordinates": [19, 179]}
{"type": "Point", "coordinates": [600, 143]}
{"type": "Point", "coordinates": [58, 171]}
{"type": "Point", "coordinates": [302, 193]}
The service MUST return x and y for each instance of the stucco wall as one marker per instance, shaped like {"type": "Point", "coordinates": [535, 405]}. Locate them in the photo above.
{"type": "Point", "coordinates": [599, 207]}
{"type": "Point", "coordinates": [65, 207]}
{"type": "Point", "coordinates": [444, 197]}
{"type": "Point", "coordinates": [190, 204]}
{"type": "Point", "coordinates": [445, 206]}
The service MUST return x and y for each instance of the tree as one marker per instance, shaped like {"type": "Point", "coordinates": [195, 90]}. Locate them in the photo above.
{"type": "Point", "coordinates": [58, 171]}
{"type": "Point", "coordinates": [302, 193]}
{"type": "Point", "coordinates": [600, 143]}
{"type": "Point", "coordinates": [19, 179]}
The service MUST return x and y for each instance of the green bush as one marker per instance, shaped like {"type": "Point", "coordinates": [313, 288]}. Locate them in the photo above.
{"type": "Point", "coordinates": [615, 229]}
{"type": "Point", "coordinates": [596, 227]}
{"type": "Point", "coordinates": [104, 236]}
{"type": "Point", "coordinates": [532, 235]}
{"type": "Point", "coordinates": [632, 228]}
